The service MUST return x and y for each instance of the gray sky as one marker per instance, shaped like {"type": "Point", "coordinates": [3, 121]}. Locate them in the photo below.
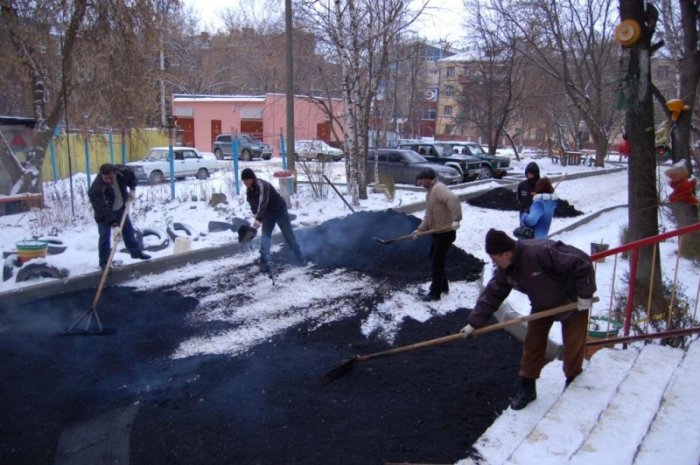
{"type": "Point", "coordinates": [442, 20]}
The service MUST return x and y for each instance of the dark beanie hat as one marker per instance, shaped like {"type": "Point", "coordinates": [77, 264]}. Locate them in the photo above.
{"type": "Point", "coordinates": [427, 173]}
{"type": "Point", "coordinates": [247, 174]}
{"type": "Point", "coordinates": [498, 242]}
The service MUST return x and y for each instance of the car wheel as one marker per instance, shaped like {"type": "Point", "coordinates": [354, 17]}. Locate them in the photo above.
{"type": "Point", "coordinates": [484, 173]}
{"type": "Point", "coordinates": [39, 270]}
{"type": "Point", "coordinates": [202, 173]}
{"type": "Point", "coordinates": [218, 154]}
{"type": "Point", "coordinates": [267, 157]}
{"type": "Point", "coordinates": [156, 177]}
{"type": "Point", "coordinates": [245, 155]}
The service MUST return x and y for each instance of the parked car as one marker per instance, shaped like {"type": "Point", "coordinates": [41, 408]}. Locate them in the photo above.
{"type": "Point", "coordinates": [188, 161]}
{"type": "Point", "coordinates": [468, 166]}
{"type": "Point", "coordinates": [492, 166]}
{"type": "Point", "coordinates": [248, 147]}
{"type": "Point", "coordinates": [316, 150]}
{"type": "Point", "coordinates": [403, 166]}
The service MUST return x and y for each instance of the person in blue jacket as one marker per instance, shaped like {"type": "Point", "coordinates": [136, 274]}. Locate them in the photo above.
{"type": "Point", "coordinates": [544, 202]}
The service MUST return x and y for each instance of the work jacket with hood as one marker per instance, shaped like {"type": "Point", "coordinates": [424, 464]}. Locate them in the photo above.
{"type": "Point", "coordinates": [540, 215]}
{"type": "Point", "coordinates": [550, 273]}
{"type": "Point", "coordinates": [102, 194]}
{"type": "Point", "coordinates": [442, 208]}
{"type": "Point", "coordinates": [526, 188]}
{"type": "Point", "coordinates": [265, 202]}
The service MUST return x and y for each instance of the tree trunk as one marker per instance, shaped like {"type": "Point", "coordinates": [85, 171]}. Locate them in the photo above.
{"type": "Point", "coordinates": [643, 201]}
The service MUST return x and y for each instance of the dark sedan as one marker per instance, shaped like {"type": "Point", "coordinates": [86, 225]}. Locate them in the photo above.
{"type": "Point", "coordinates": [403, 167]}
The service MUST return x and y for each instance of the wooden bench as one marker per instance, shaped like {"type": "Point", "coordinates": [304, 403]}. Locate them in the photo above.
{"type": "Point", "coordinates": [11, 204]}
{"type": "Point", "coordinates": [572, 158]}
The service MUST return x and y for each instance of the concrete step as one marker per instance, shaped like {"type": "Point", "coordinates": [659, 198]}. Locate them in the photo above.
{"type": "Point", "coordinates": [554, 440]}
{"type": "Point", "coordinates": [624, 423]}
{"type": "Point", "coordinates": [596, 385]}
{"type": "Point", "coordinates": [679, 406]}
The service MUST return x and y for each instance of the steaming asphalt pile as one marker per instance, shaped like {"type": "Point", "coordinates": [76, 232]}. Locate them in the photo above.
{"type": "Point", "coordinates": [350, 243]}
{"type": "Point", "coordinates": [501, 198]}
{"type": "Point", "coordinates": [123, 397]}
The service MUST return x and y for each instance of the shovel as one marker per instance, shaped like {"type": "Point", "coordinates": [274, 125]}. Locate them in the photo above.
{"type": "Point", "coordinates": [92, 311]}
{"type": "Point", "coordinates": [408, 236]}
{"type": "Point", "coordinates": [345, 367]}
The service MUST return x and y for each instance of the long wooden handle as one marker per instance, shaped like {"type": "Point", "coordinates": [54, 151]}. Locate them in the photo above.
{"type": "Point", "coordinates": [420, 233]}
{"type": "Point", "coordinates": [105, 272]}
{"type": "Point", "coordinates": [484, 330]}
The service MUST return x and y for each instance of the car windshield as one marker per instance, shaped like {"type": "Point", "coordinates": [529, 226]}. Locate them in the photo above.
{"type": "Point", "coordinates": [476, 149]}
{"type": "Point", "coordinates": [412, 157]}
{"type": "Point", "coordinates": [444, 150]}
{"type": "Point", "coordinates": [156, 154]}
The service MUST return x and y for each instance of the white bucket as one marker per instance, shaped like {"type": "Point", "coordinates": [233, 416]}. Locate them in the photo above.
{"type": "Point", "coordinates": [182, 244]}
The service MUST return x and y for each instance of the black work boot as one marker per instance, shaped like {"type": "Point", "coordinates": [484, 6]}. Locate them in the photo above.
{"type": "Point", "coordinates": [140, 255]}
{"type": "Point", "coordinates": [526, 394]}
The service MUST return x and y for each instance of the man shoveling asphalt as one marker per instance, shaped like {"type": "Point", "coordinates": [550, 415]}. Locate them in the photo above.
{"type": "Point", "coordinates": [269, 209]}
{"type": "Point", "coordinates": [551, 274]}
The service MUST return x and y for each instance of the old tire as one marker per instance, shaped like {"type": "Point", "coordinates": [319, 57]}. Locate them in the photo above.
{"type": "Point", "coordinates": [182, 230]}
{"type": "Point", "coordinates": [39, 270]}
{"type": "Point", "coordinates": [157, 240]}
{"type": "Point", "coordinates": [56, 245]}
{"type": "Point", "coordinates": [218, 226]}
{"type": "Point", "coordinates": [245, 155]}
{"type": "Point", "coordinates": [8, 268]}
{"type": "Point", "coordinates": [202, 173]}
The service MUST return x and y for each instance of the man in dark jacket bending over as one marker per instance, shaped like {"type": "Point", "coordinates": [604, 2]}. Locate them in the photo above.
{"type": "Point", "coordinates": [551, 274]}
{"type": "Point", "coordinates": [108, 195]}
{"type": "Point", "coordinates": [269, 209]}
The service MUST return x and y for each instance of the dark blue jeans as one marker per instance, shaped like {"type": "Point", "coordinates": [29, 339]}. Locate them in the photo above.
{"type": "Point", "coordinates": [104, 245]}
{"type": "Point", "coordinates": [282, 220]}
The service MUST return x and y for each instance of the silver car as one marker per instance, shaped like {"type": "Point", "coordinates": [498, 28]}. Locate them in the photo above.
{"type": "Point", "coordinates": [403, 166]}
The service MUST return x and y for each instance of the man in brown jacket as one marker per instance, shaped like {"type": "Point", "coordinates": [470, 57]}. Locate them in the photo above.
{"type": "Point", "coordinates": [551, 274]}
{"type": "Point", "coordinates": [443, 211]}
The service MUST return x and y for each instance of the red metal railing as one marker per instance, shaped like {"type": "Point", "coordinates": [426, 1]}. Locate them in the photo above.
{"type": "Point", "coordinates": [633, 250]}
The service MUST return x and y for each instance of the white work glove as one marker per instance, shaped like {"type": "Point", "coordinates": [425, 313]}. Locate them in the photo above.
{"type": "Point", "coordinates": [584, 305]}
{"type": "Point", "coordinates": [455, 225]}
{"type": "Point", "coordinates": [132, 194]}
{"type": "Point", "coordinates": [256, 224]}
{"type": "Point", "coordinates": [414, 235]}
{"type": "Point", "coordinates": [467, 330]}
{"type": "Point", "coordinates": [115, 232]}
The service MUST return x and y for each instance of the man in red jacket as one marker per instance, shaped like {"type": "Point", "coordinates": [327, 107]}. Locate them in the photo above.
{"type": "Point", "coordinates": [551, 274]}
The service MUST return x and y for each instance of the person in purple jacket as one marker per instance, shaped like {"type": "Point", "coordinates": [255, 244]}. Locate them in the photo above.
{"type": "Point", "coordinates": [551, 274]}
{"type": "Point", "coordinates": [544, 202]}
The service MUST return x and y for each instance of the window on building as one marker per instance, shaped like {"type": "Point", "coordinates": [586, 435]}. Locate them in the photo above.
{"type": "Point", "coordinates": [450, 71]}
{"type": "Point", "coordinates": [447, 111]}
{"type": "Point", "coordinates": [449, 91]}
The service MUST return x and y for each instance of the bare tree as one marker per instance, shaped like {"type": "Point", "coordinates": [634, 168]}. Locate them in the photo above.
{"type": "Point", "coordinates": [51, 44]}
{"type": "Point", "coordinates": [493, 79]}
{"type": "Point", "coordinates": [571, 41]}
{"type": "Point", "coordinates": [358, 35]}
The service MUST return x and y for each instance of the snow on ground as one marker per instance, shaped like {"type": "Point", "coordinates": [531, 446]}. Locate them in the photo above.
{"type": "Point", "coordinates": [264, 316]}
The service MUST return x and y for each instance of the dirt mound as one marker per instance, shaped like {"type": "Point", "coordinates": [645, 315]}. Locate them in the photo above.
{"type": "Point", "coordinates": [501, 198]}
{"type": "Point", "coordinates": [350, 243]}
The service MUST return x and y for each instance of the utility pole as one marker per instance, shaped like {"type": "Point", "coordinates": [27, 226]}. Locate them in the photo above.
{"type": "Point", "coordinates": [290, 84]}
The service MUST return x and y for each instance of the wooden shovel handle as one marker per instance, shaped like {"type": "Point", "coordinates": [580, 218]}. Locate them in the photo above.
{"type": "Point", "coordinates": [484, 330]}
{"type": "Point", "coordinates": [420, 233]}
{"type": "Point", "coordinates": [108, 265]}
